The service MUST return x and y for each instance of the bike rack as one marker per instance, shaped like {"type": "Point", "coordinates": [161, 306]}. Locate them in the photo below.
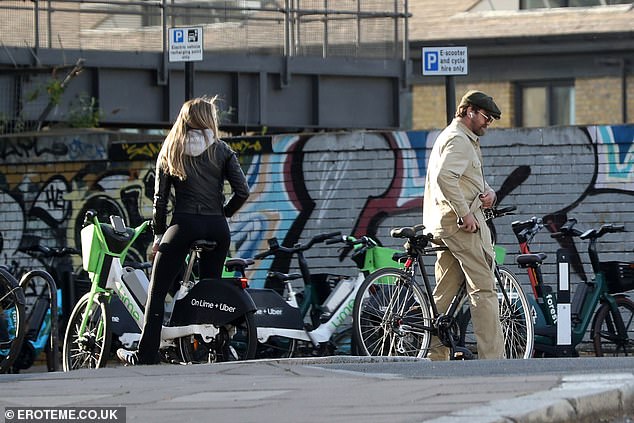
{"type": "Point", "coordinates": [52, 298]}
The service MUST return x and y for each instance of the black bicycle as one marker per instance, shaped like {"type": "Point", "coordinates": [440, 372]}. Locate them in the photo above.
{"type": "Point", "coordinates": [395, 314]}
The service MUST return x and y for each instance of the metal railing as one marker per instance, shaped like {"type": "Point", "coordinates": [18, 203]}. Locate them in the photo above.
{"type": "Point", "coordinates": [326, 28]}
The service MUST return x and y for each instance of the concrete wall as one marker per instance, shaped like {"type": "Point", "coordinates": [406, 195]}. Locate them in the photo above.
{"type": "Point", "coordinates": [357, 183]}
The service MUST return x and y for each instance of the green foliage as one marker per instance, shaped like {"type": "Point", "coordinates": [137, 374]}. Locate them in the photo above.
{"type": "Point", "coordinates": [84, 113]}
{"type": "Point", "coordinates": [55, 90]}
{"type": "Point", "coordinates": [32, 95]}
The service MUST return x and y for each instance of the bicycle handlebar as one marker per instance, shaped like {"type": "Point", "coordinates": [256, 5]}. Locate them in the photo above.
{"type": "Point", "coordinates": [352, 241]}
{"type": "Point", "coordinates": [45, 251]}
{"type": "Point", "coordinates": [607, 228]}
{"type": "Point", "coordinates": [274, 246]}
{"type": "Point", "coordinates": [495, 212]}
{"type": "Point", "coordinates": [568, 230]}
{"type": "Point", "coordinates": [527, 228]}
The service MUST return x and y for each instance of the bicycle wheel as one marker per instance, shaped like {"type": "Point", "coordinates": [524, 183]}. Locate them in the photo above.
{"type": "Point", "coordinates": [12, 320]}
{"type": "Point", "coordinates": [607, 341]}
{"type": "Point", "coordinates": [89, 348]}
{"type": "Point", "coordinates": [276, 347]}
{"type": "Point", "coordinates": [391, 316]}
{"type": "Point", "coordinates": [343, 341]}
{"type": "Point", "coordinates": [234, 342]}
{"type": "Point", "coordinates": [515, 316]}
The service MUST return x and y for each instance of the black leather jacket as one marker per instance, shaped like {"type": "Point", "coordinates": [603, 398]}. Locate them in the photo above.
{"type": "Point", "coordinates": [202, 192]}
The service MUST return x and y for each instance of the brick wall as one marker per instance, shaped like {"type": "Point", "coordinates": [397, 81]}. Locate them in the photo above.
{"type": "Point", "coordinates": [429, 108]}
{"type": "Point", "coordinates": [598, 101]}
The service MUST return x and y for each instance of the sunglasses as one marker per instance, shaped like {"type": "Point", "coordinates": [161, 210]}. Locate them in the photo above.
{"type": "Point", "coordinates": [486, 117]}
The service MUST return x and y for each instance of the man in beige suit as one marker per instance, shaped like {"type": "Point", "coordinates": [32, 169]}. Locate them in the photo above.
{"type": "Point", "coordinates": [455, 193]}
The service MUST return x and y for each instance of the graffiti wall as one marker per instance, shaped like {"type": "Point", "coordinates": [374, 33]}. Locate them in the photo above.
{"type": "Point", "coordinates": [303, 185]}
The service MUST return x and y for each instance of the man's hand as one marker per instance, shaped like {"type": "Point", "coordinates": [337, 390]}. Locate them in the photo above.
{"type": "Point", "coordinates": [488, 199]}
{"type": "Point", "coordinates": [469, 223]}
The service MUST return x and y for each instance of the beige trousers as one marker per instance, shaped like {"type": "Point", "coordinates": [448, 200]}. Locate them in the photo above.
{"type": "Point", "coordinates": [470, 257]}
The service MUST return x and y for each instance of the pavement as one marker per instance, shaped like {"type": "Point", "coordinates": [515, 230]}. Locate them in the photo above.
{"type": "Point", "coordinates": [341, 389]}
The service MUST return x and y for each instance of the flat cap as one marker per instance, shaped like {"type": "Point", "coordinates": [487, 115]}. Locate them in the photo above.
{"type": "Point", "coordinates": [481, 100]}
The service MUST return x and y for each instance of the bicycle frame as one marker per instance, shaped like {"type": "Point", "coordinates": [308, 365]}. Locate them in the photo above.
{"type": "Point", "coordinates": [458, 299]}
{"type": "Point", "coordinates": [367, 255]}
{"type": "Point", "coordinates": [324, 331]}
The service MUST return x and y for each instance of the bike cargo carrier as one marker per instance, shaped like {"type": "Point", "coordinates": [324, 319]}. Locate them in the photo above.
{"type": "Point", "coordinates": [619, 276]}
{"type": "Point", "coordinates": [115, 243]}
{"type": "Point", "coordinates": [91, 248]}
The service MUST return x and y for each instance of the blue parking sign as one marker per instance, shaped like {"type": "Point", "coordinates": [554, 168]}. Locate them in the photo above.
{"type": "Point", "coordinates": [431, 61]}
{"type": "Point", "coordinates": [179, 36]}
{"type": "Point", "coordinates": [448, 60]}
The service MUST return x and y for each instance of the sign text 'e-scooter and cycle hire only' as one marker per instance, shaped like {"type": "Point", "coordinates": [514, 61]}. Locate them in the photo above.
{"type": "Point", "coordinates": [186, 44]}
{"type": "Point", "coordinates": [445, 61]}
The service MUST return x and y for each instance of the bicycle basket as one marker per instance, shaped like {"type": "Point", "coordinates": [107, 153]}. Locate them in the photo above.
{"type": "Point", "coordinates": [382, 257]}
{"type": "Point", "coordinates": [619, 276]}
{"type": "Point", "coordinates": [90, 248]}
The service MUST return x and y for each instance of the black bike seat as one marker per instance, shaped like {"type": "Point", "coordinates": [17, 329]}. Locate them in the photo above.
{"type": "Point", "coordinates": [240, 264]}
{"type": "Point", "coordinates": [525, 260]}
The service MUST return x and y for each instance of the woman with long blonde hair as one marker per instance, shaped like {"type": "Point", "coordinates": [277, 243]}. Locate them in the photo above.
{"type": "Point", "coordinates": [193, 162]}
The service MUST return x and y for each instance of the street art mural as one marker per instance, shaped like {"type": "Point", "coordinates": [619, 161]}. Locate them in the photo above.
{"type": "Point", "coordinates": [305, 184]}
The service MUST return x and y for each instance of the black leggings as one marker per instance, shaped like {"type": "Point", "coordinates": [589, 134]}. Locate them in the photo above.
{"type": "Point", "coordinates": [168, 265]}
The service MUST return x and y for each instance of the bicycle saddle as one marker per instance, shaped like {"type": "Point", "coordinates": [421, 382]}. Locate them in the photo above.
{"type": "Point", "coordinates": [528, 259]}
{"type": "Point", "coordinates": [406, 232]}
{"type": "Point", "coordinates": [237, 264]}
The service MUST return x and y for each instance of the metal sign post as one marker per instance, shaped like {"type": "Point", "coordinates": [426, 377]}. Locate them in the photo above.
{"type": "Point", "coordinates": [186, 45]}
{"type": "Point", "coordinates": [446, 61]}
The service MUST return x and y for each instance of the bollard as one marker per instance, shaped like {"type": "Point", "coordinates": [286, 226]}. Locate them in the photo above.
{"type": "Point", "coordinates": [564, 319]}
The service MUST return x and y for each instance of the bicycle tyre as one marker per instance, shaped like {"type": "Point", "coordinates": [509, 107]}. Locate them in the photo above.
{"type": "Point", "coordinates": [515, 317]}
{"type": "Point", "coordinates": [91, 348]}
{"type": "Point", "coordinates": [12, 320]}
{"type": "Point", "coordinates": [516, 320]}
{"type": "Point", "coordinates": [276, 347]}
{"type": "Point", "coordinates": [604, 334]}
{"type": "Point", "coordinates": [391, 316]}
{"type": "Point", "coordinates": [242, 345]}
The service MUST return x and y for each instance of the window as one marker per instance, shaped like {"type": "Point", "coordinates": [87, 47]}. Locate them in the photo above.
{"type": "Point", "coordinates": [545, 103]}
{"type": "Point", "coordinates": [548, 4]}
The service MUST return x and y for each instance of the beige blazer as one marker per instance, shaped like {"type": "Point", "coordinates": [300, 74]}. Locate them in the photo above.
{"type": "Point", "coordinates": [454, 180]}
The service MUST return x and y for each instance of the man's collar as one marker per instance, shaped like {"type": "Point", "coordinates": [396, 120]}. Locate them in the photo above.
{"type": "Point", "coordinates": [472, 135]}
